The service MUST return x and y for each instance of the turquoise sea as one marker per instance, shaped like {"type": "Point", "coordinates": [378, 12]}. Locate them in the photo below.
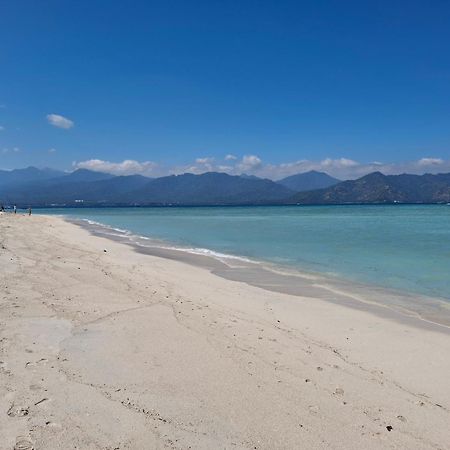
{"type": "Point", "coordinates": [403, 247]}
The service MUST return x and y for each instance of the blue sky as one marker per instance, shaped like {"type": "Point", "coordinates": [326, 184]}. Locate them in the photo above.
{"type": "Point", "coordinates": [278, 86]}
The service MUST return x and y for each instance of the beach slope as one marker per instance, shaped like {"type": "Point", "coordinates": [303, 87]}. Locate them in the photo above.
{"type": "Point", "coordinates": [103, 347]}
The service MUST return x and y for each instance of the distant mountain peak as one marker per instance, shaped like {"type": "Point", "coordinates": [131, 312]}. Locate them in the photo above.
{"type": "Point", "coordinates": [307, 181]}
{"type": "Point", "coordinates": [26, 175]}
{"type": "Point", "coordinates": [87, 175]}
{"type": "Point", "coordinates": [314, 171]}
{"type": "Point", "coordinates": [376, 174]}
{"type": "Point", "coordinates": [249, 177]}
{"type": "Point", "coordinates": [82, 170]}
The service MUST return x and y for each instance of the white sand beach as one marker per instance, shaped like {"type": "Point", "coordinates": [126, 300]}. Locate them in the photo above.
{"type": "Point", "coordinates": [103, 347]}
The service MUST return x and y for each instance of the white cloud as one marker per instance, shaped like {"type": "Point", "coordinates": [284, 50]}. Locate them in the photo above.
{"type": "Point", "coordinates": [224, 168]}
{"type": "Point", "coordinates": [2, 127]}
{"type": "Point", "coordinates": [341, 162]}
{"type": "Point", "coordinates": [200, 165]}
{"type": "Point", "coordinates": [204, 160]}
{"type": "Point", "coordinates": [10, 150]}
{"type": "Point", "coordinates": [249, 163]}
{"type": "Point", "coordinates": [430, 162]}
{"type": "Point", "coordinates": [230, 157]}
{"type": "Point", "coordinates": [126, 167]}
{"type": "Point", "coordinates": [342, 168]}
{"type": "Point", "coordinates": [59, 121]}
{"type": "Point", "coordinates": [251, 160]}
{"type": "Point", "coordinates": [52, 150]}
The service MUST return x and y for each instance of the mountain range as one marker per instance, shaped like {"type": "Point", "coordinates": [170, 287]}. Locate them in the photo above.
{"type": "Point", "coordinates": [378, 188]}
{"type": "Point", "coordinates": [48, 187]}
{"type": "Point", "coordinates": [31, 187]}
{"type": "Point", "coordinates": [20, 176]}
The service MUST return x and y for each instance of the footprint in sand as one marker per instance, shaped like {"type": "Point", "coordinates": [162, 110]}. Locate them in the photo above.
{"type": "Point", "coordinates": [18, 411]}
{"type": "Point", "coordinates": [49, 423]}
{"type": "Point", "coordinates": [23, 443]}
{"type": "Point", "coordinates": [31, 363]}
{"type": "Point", "coordinates": [339, 391]}
{"type": "Point", "coordinates": [4, 368]}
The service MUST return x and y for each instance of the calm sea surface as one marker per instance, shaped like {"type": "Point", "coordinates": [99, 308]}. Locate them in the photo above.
{"type": "Point", "coordinates": [400, 246]}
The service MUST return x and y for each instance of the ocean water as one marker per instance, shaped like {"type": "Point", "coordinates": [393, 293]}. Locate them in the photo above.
{"type": "Point", "coordinates": [402, 247]}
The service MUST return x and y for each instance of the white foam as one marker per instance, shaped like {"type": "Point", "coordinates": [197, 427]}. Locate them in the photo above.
{"type": "Point", "coordinates": [156, 244]}
{"type": "Point", "coordinates": [102, 225]}
{"type": "Point", "coordinates": [205, 252]}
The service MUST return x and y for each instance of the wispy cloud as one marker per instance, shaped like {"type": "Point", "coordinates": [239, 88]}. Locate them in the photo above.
{"type": "Point", "coordinates": [2, 127]}
{"type": "Point", "coordinates": [230, 157]}
{"type": "Point", "coordinates": [342, 168]}
{"type": "Point", "coordinates": [59, 121]}
{"type": "Point", "coordinates": [248, 163]}
{"type": "Point", "coordinates": [52, 150]}
{"type": "Point", "coordinates": [204, 161]}
{"type": "Point", "coordinates": [126, 167]}
{"type": "Point", "coordinates": [6, 150]}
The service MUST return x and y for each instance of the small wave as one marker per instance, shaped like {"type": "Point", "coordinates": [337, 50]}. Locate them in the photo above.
{"type": "Point", "coordinates": [156, 244]}
{"type": "Point", "coordinates": [205, 252]}
{"type": "Point", "coordinates": [108, 227]}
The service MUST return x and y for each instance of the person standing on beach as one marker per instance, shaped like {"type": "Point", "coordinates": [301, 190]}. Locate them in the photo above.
{"type": "Point", "coordinates": [15, 209]}
{"type": "Point", "coordinates": [29, 211]}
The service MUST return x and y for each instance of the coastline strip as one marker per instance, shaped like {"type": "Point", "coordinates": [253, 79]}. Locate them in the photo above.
{"type": "Point", "coordinates": [104, 347]}
{"type": "Point", "coordinates": [415, 309]}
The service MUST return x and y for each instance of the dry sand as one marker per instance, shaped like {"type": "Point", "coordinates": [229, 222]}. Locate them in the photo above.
{"type": "Point", "coordinates": [117, 349]}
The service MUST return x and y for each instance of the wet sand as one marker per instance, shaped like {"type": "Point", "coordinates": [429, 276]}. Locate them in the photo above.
{"type": "Point", "coordinates": [105, 347]}
{"type": "Point", "coordinates": [418, 310]}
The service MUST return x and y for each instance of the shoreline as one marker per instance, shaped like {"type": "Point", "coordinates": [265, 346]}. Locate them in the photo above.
{"type": "Point", "coordinates": [103, 347]}
{"type": "Point", "coordinates": [415, 309]}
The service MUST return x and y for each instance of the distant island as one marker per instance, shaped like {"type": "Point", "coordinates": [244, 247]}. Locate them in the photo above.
{"type": "Point", "coordinates": [47, 187]}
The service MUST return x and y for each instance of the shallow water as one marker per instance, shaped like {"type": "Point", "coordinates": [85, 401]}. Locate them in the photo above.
{"type": "Point", "coordinates": [403, 247]}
